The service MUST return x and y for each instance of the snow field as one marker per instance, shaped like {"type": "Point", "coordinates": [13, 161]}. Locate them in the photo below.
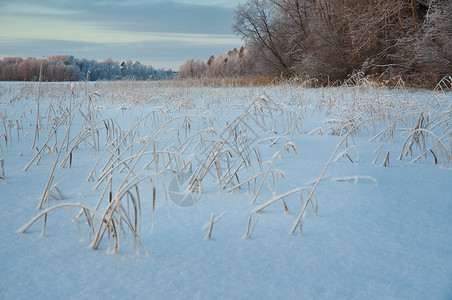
{"type": "Point", "coordinates": [379, 232]}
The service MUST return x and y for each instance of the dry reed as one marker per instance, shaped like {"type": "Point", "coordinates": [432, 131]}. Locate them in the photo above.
{"type": "Point", "coordinates": [168, 143]}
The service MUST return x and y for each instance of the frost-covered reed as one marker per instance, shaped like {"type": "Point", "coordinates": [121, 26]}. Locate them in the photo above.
{"type": "Point", "coordinates": [164, 131]}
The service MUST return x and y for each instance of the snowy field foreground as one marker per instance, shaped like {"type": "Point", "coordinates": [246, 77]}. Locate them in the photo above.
{"type": "Point", "coordinates": [132, 190]}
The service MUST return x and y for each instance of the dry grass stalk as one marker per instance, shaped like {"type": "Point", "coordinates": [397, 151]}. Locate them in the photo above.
{"type": "Point", "coordinates": [2, 164]}
{"type": "Point", "coordinates": [46, 194]}
{"type": "Point", "coordinates": [115, 215]}
{"type": "Point", "coordinates": [58, 196]}
{"type": "Point", "coordinates": [227, 150]}
{"type": "Point", "coordinates": [209, 231]}
{"type": "Point", "coordinates": [154, 191]}
{"type": "Point", "coordinates": [206, 226]}
{"type": "Point", "coordinates": [355, 179]}
{"type": "Point", "coordinates": [247, 233]}
{"type": "Point", "coordinates": [308, 200]}
{"type": "Point", "coordinates": [24, 228]}
{"type": "Point", "coordinates": [386, 161]}
{"type": "Point", "coordinates": [52, 133]}
{"type": "Point", "coordinates": [276, 156]}
{"type": "Point", "coordinates": [345, 153]}
{"type": "Point", "coordinates": [419, 135]}
{"type": "Point", "coordinates": [280, 197]}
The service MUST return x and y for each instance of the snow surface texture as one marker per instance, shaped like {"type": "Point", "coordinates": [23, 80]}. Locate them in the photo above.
{"type": "Point", "coordinates": [368, 232]}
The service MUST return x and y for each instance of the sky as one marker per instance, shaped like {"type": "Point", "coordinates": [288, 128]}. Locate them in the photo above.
{"type": "Point", "coordinates": [161, 33]}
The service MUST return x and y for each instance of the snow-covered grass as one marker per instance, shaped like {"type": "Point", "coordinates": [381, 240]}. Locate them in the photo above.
{"type": "Point", "coordinates": [202, 193]}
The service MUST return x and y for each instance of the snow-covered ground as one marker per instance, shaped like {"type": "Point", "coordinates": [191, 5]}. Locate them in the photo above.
{"type": "Point", "coordinates": [368, 231]}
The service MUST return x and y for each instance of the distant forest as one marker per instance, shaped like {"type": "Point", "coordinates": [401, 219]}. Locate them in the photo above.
{"type": "Point", "coordinates": [333, 40]}
{"type": "Point", "coordinates": [69, 68]}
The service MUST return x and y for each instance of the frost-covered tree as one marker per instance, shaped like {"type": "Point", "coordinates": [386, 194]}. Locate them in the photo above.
{"type": "Point", "coordinates": [69, 68]}
{"type": "Point", "coordinates": [192, 69]}
{"type": "Point", "coordinates": [230, 64]}
{"type": "Point", "coordinates": [330, 39]}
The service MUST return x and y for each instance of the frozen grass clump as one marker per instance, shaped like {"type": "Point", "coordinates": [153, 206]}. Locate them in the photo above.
{"type": "Point", "coordinates": [152, 142]}
{"type": "Point", "coordinates": [424, 123]}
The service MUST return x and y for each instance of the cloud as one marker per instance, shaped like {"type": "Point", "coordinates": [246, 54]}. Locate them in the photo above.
{"type": "Point", "coordinates": [159, 30]}
{"type": "Point", "coordinates": [160, 54]}
{"type": "Point", "coordinates": [142, 16]}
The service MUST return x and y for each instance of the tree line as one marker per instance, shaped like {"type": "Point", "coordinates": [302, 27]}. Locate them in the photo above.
{"type": "Point", "coordinates": [230, 64]}
{"type": "Point", "coordinates": [330, 40]}
{"type": "Point", "coordinates": [69, 68]}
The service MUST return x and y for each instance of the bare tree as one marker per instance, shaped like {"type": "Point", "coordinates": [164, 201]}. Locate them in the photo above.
{"type": "Point", "coordinates": [258, 22]}
{"type": "Point", "coordinates": [330, 39]}
{"type": "Point", "coordinates": [433, 49]}
{"type": "Point", "coordinates": [192, 68]}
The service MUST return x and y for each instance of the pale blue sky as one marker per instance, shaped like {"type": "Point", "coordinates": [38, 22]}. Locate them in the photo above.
{"type": "Point", "coordinates": [157, 32]}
